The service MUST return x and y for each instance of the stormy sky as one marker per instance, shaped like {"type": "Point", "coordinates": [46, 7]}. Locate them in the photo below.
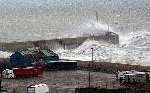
{"type": "Point", "coordinates": [22, 20]}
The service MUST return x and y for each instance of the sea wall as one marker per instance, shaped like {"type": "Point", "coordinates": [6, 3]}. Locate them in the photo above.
{"type": "Point", "coordinates": [66, 43]}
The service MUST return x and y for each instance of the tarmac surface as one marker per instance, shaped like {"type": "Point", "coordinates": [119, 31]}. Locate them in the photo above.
{"type": "Point", "coordinates": [61, 81]}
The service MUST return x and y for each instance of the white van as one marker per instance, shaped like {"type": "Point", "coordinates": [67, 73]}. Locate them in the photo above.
{"type": "Point", "coordinates": [121, 75]}
{"type": "Point", "coordinates": [133, 76]}
{"type": "Point", "coordinates": [41, 88]}
{"type": "Point", "coordinates": [8, 73]}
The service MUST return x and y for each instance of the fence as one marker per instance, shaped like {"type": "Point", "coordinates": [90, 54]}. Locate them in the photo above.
{"type": "Point", "coordinates": [120, 90]}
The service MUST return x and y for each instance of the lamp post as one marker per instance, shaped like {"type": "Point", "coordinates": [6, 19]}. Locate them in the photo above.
{"type": "Point", "coordinates": [91, 67]}
{"type": "Point", "coordinates": [92, 56]}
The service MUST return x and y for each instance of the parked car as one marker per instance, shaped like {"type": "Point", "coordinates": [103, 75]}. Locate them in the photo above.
{"type": "Point", "coordinates": [133, 76]}
{"type": "Point", "coordinates": [40, 88]}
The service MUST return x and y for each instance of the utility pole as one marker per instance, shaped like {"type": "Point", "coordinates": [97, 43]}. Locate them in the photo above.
{"type": "Point", "coordinates": [1, 77]}
{"type": "Point", "coordinates": [0, 84]}
{"type": "Point", "coordinates": [89, 79]}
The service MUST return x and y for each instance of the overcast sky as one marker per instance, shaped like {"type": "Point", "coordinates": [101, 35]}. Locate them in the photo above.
{"type": "Point", "coordinates": [44, 19]}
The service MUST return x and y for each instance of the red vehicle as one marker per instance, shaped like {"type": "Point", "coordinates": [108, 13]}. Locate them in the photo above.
{"type": "Point", "coordinates": [28, 71]}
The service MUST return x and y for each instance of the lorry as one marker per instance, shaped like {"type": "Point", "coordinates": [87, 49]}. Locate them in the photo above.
{"type": "Point", "coordinates": [22, 72]}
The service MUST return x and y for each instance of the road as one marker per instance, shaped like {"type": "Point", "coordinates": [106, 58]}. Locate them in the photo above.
{"type": "Point", "coordinates": [61, 81]}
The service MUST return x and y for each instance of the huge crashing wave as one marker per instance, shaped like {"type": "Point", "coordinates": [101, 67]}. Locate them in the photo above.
{"type": "Point", "coordinates": [133, 48]}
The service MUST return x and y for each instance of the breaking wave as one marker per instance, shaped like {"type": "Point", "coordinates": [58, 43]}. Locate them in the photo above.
{"type": "Point", "coordinates": [138, 39]}
{"type": "Point", "coordinates": [94, 28]}
{"type": "Point", "coordinates": [134, 50]}
{"type": "Point", "coordinates": [5, 54]}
